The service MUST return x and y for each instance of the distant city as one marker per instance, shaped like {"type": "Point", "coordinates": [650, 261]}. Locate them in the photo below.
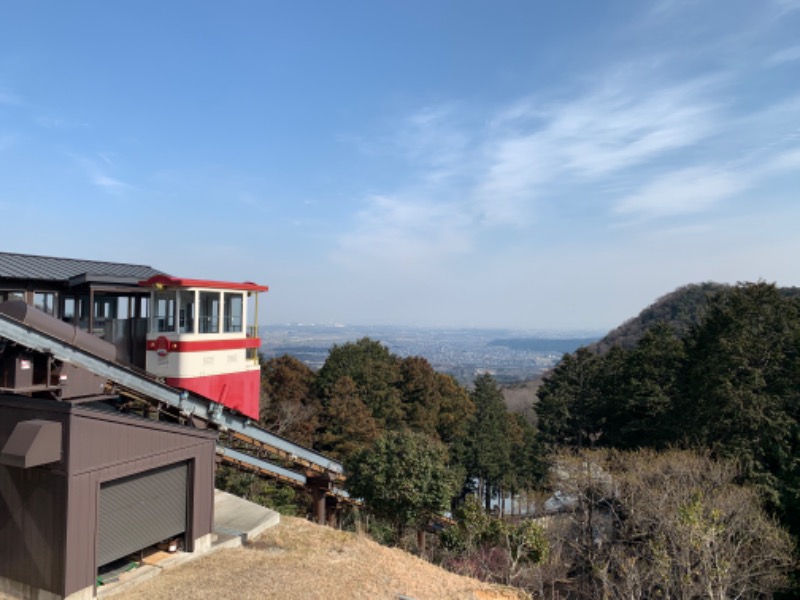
{"type": "Point", "coordinates": [510, 355]}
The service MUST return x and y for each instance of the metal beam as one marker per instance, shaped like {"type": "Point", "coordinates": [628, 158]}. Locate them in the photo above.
{"type": "Point", "coordinates": [263, 465]}
{"type": "Point", "coordinates": [188, 403]}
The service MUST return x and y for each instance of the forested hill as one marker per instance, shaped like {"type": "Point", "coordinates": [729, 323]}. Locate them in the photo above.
{"type": "Point", "coordinates": [680, 310]}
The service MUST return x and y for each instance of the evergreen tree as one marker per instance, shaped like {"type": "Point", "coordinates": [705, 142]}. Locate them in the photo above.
{"type": "Point", "coordinates": [571, 409]}
{"type": "Point", "coordinates": [489, 445]}
{"type": "Point", "coordinates": [742, 389]}
{"type": "Point", "coordinates": [642, 399]}
{"type": "Point", "coordinates": [347, 425]}
{"type": "Point", "coordinates": [374, 371]}
{"type": "Point", "coordinates": [420, 393]}
{"type": "Point", "coordinates": [456, 410]}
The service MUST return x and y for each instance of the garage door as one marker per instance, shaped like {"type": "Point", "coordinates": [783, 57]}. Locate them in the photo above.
{"type": "Point", "coordinates": [138, 511]}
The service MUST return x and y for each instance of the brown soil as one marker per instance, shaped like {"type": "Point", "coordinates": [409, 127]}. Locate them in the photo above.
{"type": "Point", "coordinates": [298, 560]}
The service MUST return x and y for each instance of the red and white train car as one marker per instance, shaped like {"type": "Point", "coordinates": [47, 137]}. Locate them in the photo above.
{"type": "Point", "coordinates": [198, 339]}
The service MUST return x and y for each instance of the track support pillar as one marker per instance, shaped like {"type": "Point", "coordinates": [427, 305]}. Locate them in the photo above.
{"type": "Point", "coordinates": [320, 485]}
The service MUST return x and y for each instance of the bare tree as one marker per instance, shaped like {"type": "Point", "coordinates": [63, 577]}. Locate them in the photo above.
{"type": "Point", "coordinates": [668, 525]}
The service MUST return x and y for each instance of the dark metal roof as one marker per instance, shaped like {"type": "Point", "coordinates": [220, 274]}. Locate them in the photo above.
{"type": "Point", "coordinates": [26, 266]}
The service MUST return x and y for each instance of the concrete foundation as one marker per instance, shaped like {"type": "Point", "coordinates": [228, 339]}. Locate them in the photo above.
{"type": "Point", "coordinates": [20, 591]}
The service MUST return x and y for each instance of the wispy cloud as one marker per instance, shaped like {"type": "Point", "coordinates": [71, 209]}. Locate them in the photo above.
{"type": "Point", "coordinates": [790, 54]}
{"type": "Point", "coordinates": [410, 234]}
{"type": "Point", "coordinates": [431, 137]}
{"type": "Point", "coordinates": [98, 175]}
{"type": "Point", "coordinates": [256, 203]}
{"type": "Point", "coordinates": [785, 6]}
{"type": "Point", "coordinates": [685, 191]}
{"type": "Point", "coordinates": [663, 136]}
{"type": "Point", "coordinates": [607, 130]}
{"type": "Point", "coordinates": [495, 175]}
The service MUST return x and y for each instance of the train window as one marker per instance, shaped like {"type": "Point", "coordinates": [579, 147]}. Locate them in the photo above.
{"type": "Point", "coordinates": [209, 312]}
{"type": "Point", "coordinates": [234, 313]}
{"type": "Point", "coordinates": [45, 301]}
{"type": "Point", "coordinates": [186, 317]}
{"type": "Point", "coordinates": [163, 312]}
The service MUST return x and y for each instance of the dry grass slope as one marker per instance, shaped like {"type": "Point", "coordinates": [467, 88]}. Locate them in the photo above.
{"type": "Point", "coordinates": [298, 560]}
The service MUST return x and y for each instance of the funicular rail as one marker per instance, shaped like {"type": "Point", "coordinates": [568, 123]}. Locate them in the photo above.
{"type": "Point", "coordinates": [322, 473]}
{"type": "Point", "coordinates": [190, 406]}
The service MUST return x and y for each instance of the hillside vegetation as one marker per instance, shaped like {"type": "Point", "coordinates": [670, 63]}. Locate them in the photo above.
{"type": "Point", "coordinates": [722, 379]}
{"type": "Point", "coordinates": [669, 452]}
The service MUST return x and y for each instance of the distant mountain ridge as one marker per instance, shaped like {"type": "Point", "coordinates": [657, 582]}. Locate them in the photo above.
{"type": "Point", "coordinates": [680, 309]}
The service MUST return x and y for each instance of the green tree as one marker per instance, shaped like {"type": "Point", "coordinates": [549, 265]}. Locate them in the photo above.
{"type": "Point", "coordinates": [489, 445]}
{"type": "Point", "coordinates": [346, 425]}
{"type": "Point", "coordinates": [456, 410]}
{"type": "Point", "coordinates": [742, 386]}
{"type": "Point", "coordinates": [421, 395]}
{"type": "Point", "coordinates": [376, 374]}
{"type": "Point", "coordinates": [403, 478]}
{"type": "Point", "coordinates": [642, 398]}
{"type": "Point", "coordinates": [571, 409]}
{"type": "Point", "coordinates": [529, 464]}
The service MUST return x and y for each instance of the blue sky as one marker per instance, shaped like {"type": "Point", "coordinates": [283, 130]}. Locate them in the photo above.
{"type": "Point", "coordinates": [542, 165]}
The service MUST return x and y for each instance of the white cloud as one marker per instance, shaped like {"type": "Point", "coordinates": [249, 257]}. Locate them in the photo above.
{"type": "Point", "coordinates": [786, 161]}
{"type": "Point", "coordinates": [104, 181]}
{"type": "Point", "coordinates": [432, 139]}
{"type": "Point", "coordinates": [598, 148]}
{"type": "Point", "coordinates": [785, 6]}
{"type": "Point", "coordinates": [686, 191]}
{"type": "Point", "coordinates": [99, 176]}
{"type": "Point", "coordinates": [492, 177]}
{"type": "Point", "coordinates": [783, 56]}
{"type": "Point", "coordinates": [406, 234]}
{"type": "Point", "coordinates": [614, 127]}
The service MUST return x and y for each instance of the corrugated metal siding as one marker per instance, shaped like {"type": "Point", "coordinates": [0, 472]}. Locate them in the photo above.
{"type": "Point", "coordinates": [84, 492]}
{"type": "Point", "coordinates": [26, 266]}
{"type": "Point", "coordinates": [141, 510]}
{"type": "Point", "coordinates": [102, 441]}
